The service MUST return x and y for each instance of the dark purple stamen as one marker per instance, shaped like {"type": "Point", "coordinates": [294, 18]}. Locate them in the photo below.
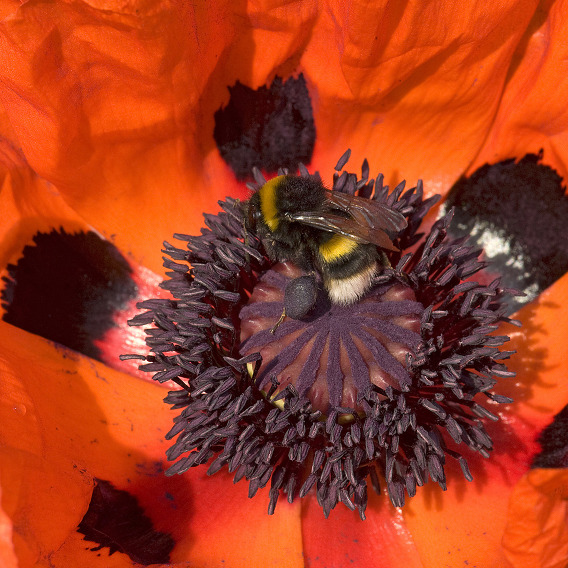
{"type": "Point", "coordinates": [416, 358]}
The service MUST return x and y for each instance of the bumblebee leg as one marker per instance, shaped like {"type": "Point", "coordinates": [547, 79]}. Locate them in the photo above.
{"type": "Point", "coordinates": [280, 320]}
{"type": "Point", "coordinates": [245, 238]}
{"type": "Point", "coordinates": [384, 259]}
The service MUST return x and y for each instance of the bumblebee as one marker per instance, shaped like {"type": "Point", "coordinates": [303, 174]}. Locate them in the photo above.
{"type": "Point", "coordinates": [341, 237]}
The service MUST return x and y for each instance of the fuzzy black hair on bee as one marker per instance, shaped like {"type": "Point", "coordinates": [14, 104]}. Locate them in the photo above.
{"type": "Point", "coordinates": [335, 236]}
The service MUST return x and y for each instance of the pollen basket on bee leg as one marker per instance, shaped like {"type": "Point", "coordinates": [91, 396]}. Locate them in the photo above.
{"type": "Point", "coordinates": [300, 296]}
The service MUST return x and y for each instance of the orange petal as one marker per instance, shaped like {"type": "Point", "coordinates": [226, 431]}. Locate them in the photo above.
{"type": "Point", "coordinates": [533, 113]}
{"type": "Point", "coordinates": [57, 411]}
{"type": "Point", "coordinates": [67, 419]}
{"type": "Point", "coordinates": [540, 388]}
{"type": "Point", "coordinates": [126, 133]}
{"type": "Point", "coordinates": [415, 88]}
{"type": "Point", "coordinates": [7, 553]}
{"type": "Point", "coordinates": [536, 532]}
{"type": "Point", "coordinates": [115, 107]}
{"type": "Point", "coordinates": [343, 539]}
{"type": "Point", "coordinates": [28, 205]}
{"type": "Point", "coordinates": [229, 529]}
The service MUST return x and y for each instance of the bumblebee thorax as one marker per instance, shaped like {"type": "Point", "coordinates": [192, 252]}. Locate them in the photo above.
{"type": "Point", "coordinates": [285, 195]}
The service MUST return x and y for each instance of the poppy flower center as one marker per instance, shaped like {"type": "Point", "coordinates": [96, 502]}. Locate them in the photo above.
{"type": "Point", "coordinates": [336, 353]}
{"type": "Point", "coordinates": [408, 362]}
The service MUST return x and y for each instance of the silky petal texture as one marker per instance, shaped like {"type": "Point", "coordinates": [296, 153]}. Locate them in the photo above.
{"type": "Point", "coordinates": [67, 420]}
{"type": "Point", "coordinates": [103, 102]}
{"type": "Point", "coordinates": [28, 205]}
{"type": "Point", "coordinates": [381, 541]}
{"type": "Point", "coordinates": [533, 112]}
{"type": "Point", "coordinates": [113, 102]}
{"type": "Point", "coordinates": [419, 83]}
{"type": "Point", "coordinates": [536, 534]}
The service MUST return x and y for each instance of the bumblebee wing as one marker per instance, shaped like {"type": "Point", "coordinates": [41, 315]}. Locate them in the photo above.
{"type": "Point", "coordinates": [333, 223]}
{"type": "Point", "coordinates": [369, 212]}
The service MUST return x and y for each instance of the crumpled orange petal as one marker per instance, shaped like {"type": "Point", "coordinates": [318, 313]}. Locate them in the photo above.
{"type": "Point", "coordinates": [108, 122]}
{"type": "Point", "coordinates": [28, 204]}
{"type": "Point", "coordinates": [533, 113]}
{"type": "Point", "coordinates": [536, 533]}
{"type": "Point", "coordinates": [66, 420]}
{"type": "Point", "coordinates": [105, 110]}
{"type": "Point", "coordinates": [414, 88]}
{"type": "Point", "coordinates": [116, 105]}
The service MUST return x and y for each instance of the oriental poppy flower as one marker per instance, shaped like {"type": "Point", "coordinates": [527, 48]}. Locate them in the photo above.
{"type": "Point", "coordinates": [115, 123]}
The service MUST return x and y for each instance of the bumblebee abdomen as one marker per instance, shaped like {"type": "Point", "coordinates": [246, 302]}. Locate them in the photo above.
{"type": "Point", "coordinates": [341, 256]}
{"type": "Point", "coordinates": [347, 268]}
{"type": "Point", "coordinates": [336, 248]}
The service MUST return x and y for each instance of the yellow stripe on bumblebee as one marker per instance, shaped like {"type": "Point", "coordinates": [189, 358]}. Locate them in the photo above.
{"type": "Point", "coordinates": [268, 207]}
{"type": "Point", "coordinates": [337, 247]}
